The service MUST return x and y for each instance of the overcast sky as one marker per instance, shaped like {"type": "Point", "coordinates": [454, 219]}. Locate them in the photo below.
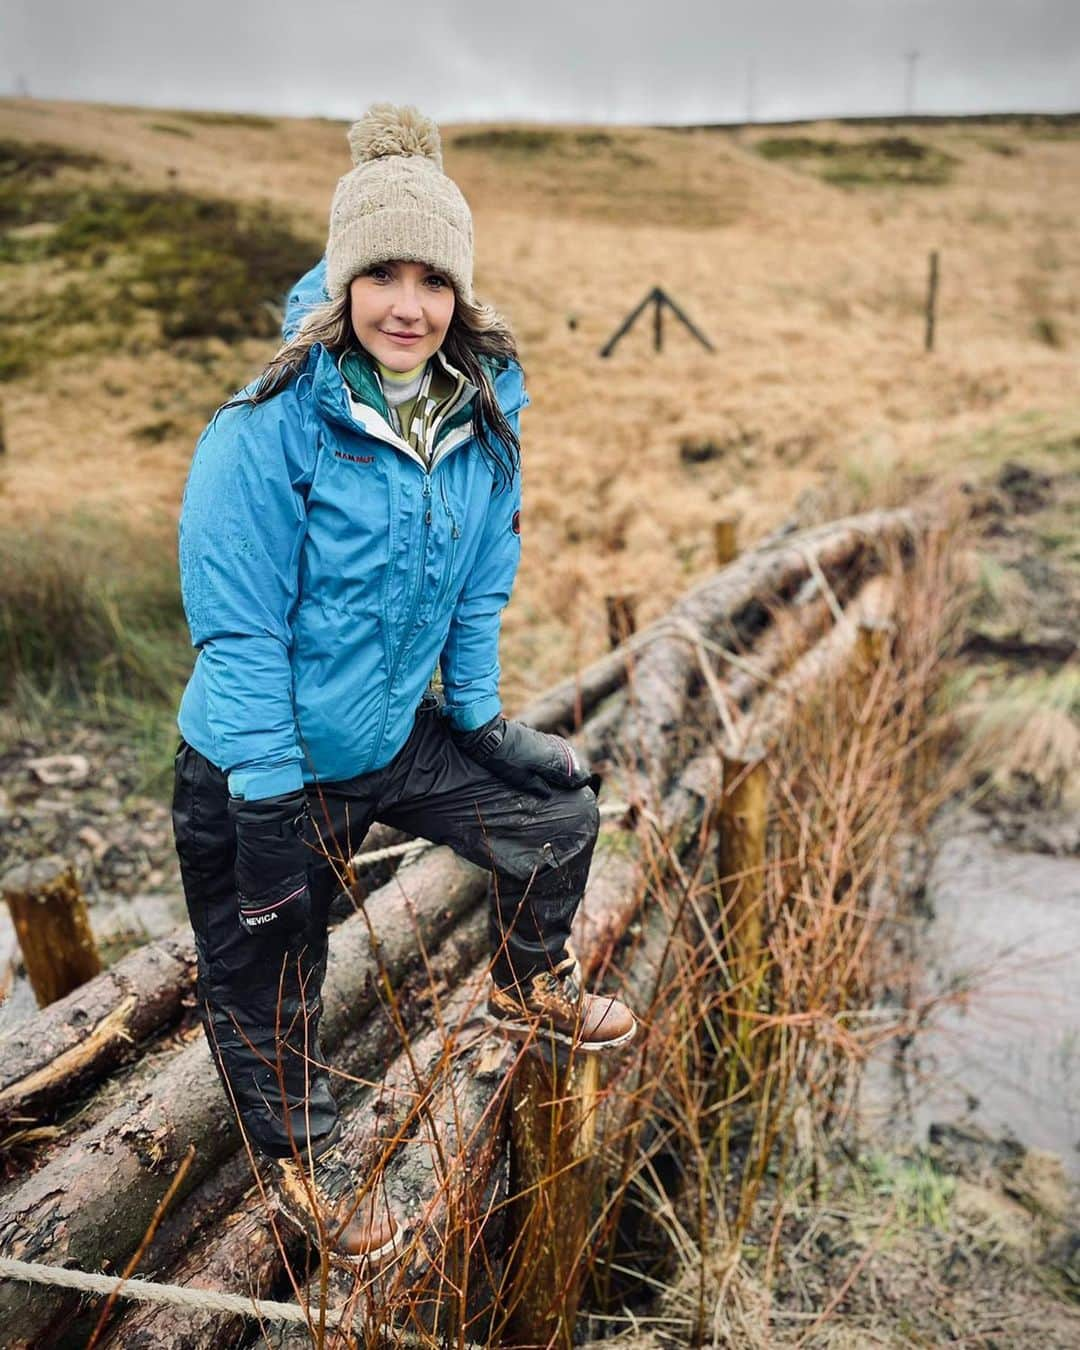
{"type": "Point", "coordinates": [668, 61]}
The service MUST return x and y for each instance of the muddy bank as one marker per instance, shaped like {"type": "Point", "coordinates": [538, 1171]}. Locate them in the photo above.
{"type": "Point", "coordinates": [1000, 953]}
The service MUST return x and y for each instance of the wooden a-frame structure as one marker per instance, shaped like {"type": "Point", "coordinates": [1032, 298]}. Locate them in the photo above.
{"type": "Point", "coordinates": [658, 298]}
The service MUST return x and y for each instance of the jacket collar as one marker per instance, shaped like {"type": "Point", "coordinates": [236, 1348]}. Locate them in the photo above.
{"type": "Point", "coordinates": [369, 413]}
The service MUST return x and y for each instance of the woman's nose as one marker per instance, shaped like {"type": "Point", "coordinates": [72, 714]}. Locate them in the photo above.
{"type": "Point", "coordinates": [407, 303]}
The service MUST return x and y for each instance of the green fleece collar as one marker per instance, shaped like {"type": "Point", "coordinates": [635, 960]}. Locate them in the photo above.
{"type": "Point", "coordinates": [360, 373]}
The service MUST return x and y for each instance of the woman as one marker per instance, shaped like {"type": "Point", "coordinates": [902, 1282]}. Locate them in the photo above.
{"type": "Point", "coordinates": [350, 522]}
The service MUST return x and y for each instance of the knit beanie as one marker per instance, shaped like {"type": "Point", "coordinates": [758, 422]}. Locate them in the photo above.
{"type": "Point", "coordinates": [398, 203]}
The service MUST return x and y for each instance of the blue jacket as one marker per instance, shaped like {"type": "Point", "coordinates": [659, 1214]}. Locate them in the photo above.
{"type": "Point", "coordinates": [325, 571]}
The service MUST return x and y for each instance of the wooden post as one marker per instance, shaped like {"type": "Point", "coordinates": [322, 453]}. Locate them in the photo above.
{"type": "Point", "coordinates": [658, 323]}
{"type": "Point", "coordinates": [552, 1133]}
{"type": "Point", "coordinates": [725, 545]}
{"type": "Point", "coordinates": [873, 644]}
{"type": "Point", "coordinates": [621, 618]}
{"type": "Point", "coordinates": [740, 866]}
{"type": "Point", "coordinates": [931, 301]}
{"type": "Point", "coordinates": [53, 927]}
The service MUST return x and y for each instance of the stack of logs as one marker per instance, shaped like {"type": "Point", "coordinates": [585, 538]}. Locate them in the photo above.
{"type": "Point", "coordinates": [404, 990]}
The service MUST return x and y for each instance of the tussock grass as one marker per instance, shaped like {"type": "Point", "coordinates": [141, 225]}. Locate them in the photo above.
{"type": "Point", "coordinates": [878, 161]}
{"type": "Point", "coordinates": [29, 161]}
{"type": "Point", "coordinates": [90, 613]}
{"type": "Point", "coordinates": [1024, 731]}
{"type": "Point", "coordinates": [208, 268]}
{"type": "Point", "coordinates": [210, 118]}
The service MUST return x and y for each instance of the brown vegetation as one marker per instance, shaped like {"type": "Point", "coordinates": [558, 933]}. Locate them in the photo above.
{"type": "Point", "coordinates": [811, 294]}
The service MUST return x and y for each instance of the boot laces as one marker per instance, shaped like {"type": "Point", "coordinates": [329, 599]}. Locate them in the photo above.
{"type": "Point", "coordinates": [562, 979]}
{"type": "Point", "coordinates": [331, 1176]}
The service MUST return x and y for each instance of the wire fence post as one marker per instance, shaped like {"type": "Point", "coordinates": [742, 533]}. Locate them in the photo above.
{"type": "Point", "coordinates": [725, 540]}
{"type": "Point", "coordinates": [931, 301]}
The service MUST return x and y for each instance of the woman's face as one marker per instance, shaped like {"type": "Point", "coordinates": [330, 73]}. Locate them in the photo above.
{"type": "Point", "coordinates": [400, 312]}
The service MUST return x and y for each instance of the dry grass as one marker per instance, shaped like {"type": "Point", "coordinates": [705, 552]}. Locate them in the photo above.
{"type": "Point", "coordinates": [811, 294]}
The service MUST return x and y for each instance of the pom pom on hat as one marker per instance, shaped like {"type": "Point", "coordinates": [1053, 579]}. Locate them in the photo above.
{"type": "Point", "coordinates": [386, 130]}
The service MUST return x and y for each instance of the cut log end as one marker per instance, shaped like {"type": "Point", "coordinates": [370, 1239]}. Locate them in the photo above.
{"type": "Point", "coordinates": [53, 927]}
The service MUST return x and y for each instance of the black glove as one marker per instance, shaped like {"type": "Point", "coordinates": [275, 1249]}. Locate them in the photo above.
{"type": "Point", "coordinates": [272, 856]}
{"type": "Point", "coordinates": [532, 760]}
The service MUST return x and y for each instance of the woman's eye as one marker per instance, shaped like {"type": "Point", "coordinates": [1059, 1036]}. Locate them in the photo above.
{"type": "Point", "coordinates": [436, 281]}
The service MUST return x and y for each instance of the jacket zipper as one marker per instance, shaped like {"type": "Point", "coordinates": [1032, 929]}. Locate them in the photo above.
{"type": "Point", "coordinates": [403, 448]}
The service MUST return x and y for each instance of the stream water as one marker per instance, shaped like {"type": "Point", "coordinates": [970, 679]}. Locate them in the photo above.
{"type": "Point", "coordinates": [1001, 1051]}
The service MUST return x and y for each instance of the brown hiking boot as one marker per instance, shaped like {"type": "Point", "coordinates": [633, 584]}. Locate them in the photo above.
{"type": "Point", "coordinates": [554, 1005]}
{"type": "Point", "coordinates": [325, 1194]}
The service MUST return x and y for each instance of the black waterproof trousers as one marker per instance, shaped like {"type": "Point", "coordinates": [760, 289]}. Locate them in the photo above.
{"type": "Point", "coordinates": [260, 996]}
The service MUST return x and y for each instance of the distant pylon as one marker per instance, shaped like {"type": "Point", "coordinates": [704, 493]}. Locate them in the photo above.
{"type": "Point", "coordinates": [912, 59]}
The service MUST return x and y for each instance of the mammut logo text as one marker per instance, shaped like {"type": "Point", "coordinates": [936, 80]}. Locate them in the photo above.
{"type": "Point", "coordinates": [355, 459]}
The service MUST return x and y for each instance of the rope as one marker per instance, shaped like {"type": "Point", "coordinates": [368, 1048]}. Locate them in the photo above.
{"type": "Point", "coordinates": [180, 1296]}
{"type": "Point", "coordinates": [144, 1291]}
{"type": "Point", "coordinates": [391, 851]}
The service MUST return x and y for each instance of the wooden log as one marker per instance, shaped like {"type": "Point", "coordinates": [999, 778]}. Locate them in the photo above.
{"type": "Point", "coordinates": [931, 302]}
{"type": "Point", "coordinates": [76, 1225]}
{"type": "Point", "coordinates": [80, 1038]}
{"type": "Point", "coordinates": [445, 1188]}
{"type": "Point", "coordinates": [224, 1226]}
{"type": "Point", "coordinates": [597, 925]}
{"type": "Point", "coordinates": [53, 926]}
{"type": "Point", "coordinates": [47, 1060]}
{"type": "Point", "coordinates": [91, 1204]}
{"type": "Point", "coordinates": [664, 670]}
{"type": "Point", "coordinates": [829, 659]}
{"type": "Point", "coordinates": [436, 1183]}
{"type": "Point", "coordinates": [873, 644]}
{"type": "Point", "coordinates": [793, 630]}
{"type": "Point", "coordinates": [552, 1175]}
{"type": "Point", "coordinates": [727, 604]}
